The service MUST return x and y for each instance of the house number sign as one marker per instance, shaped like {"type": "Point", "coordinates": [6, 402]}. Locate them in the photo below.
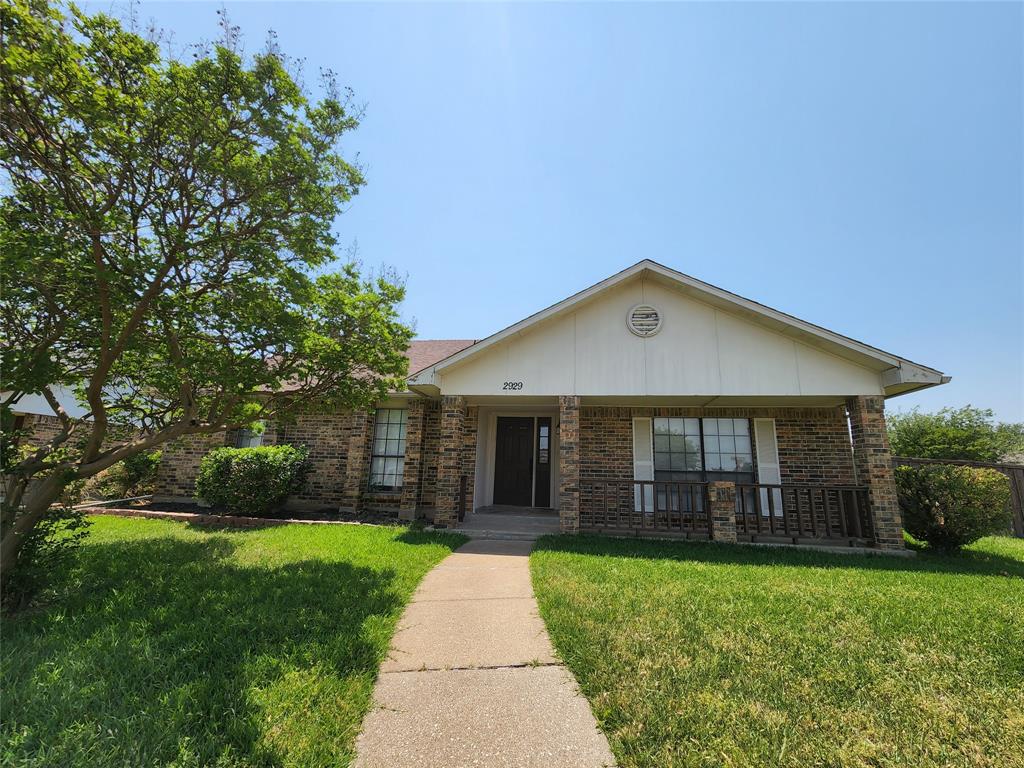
{"type": "Point", "coordinates": [512, 386]}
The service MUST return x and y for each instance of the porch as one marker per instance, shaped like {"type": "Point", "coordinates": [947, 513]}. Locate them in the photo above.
{"type": "Point", "coordinates": [791, 473]}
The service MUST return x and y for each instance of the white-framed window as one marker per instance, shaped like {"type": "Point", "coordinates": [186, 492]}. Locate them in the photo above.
{"type": "Point", "coordinates": [387, 462]}
{"type": "Point", "coordinates": [249, 438]}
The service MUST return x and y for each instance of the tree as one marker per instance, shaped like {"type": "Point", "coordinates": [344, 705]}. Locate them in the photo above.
{"type": "Point", "coordinates": [165, 229]}
{"type": "Point", "coordinates": [961, 433]}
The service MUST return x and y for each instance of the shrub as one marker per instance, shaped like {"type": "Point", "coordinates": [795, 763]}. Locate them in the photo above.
{"type": "Point", "coordinates": [251, 481]}
{"type": "Point", "coordinates": [950, 506]}
{"type": "Point", "coordinates": [48, 548]}
{"type": "Point", "coordinates": [135, 476]}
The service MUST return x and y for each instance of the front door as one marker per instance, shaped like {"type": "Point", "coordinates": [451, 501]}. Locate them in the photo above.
{"type": "Point", "coordinates": [513, 461]}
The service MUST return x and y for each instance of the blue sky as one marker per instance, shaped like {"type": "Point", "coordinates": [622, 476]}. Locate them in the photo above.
{"type": "Point", "coordinates": [858, 165]}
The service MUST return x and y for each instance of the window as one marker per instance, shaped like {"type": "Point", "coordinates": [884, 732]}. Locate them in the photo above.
{"type": "Point", "coordinates": [695, 450]}
{"type": "Point", "coordinates": [727, 453]}
{"type": "Point", "coordinates": [543, 443]}
{"type": "Point", "coordinates": [698, 450]}
{"type": "Point", "coordinates": [677, 456]}
{"type": "Point", "coordinates": [249, 438]}
{"type": "Point", "coordinates": [677, 450]}
{"type": "Point", "coordinates": [387, 465]}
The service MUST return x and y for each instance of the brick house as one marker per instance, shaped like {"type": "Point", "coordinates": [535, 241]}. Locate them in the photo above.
{"type": "Point", "coordinates": [648, 404]}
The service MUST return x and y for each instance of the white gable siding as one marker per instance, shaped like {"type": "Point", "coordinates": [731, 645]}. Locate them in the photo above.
{"type": "Point", "coordinates": [700, 351]}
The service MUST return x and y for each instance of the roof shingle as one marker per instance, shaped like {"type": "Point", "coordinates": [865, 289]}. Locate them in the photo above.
{"type": "Point", "coordinates": [423, 353]}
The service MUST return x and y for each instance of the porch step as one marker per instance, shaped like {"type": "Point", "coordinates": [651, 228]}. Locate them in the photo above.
{"type": "Point", "coordinates": [520, 525]}
{"type": "Point", "coordinates": [476, 533]}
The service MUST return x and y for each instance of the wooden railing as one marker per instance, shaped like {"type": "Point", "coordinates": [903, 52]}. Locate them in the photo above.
{"type": "Point", "coordinates": [796, 514]}
{"type": "Point", "coordinates": [802, 512]}
{"type": "Point", "coordinates": [651, 506]}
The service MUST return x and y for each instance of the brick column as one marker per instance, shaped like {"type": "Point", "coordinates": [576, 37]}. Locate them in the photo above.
{"type": "Point", "coordinates": [722, 498]}
{"type": "Point", "coordinates": [449, 462]}
{"type": "Point", "coordinates": [356, 460]}
{"type": "Point", "coordinates": [873, 465]}
{"type": "Point", "coordinates": [569, 463]}
{"type": "Point", "coordinates": [413, 472]}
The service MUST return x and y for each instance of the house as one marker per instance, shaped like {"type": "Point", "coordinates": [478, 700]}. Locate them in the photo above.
{"type": "Point", "coordinates": [650, 403]}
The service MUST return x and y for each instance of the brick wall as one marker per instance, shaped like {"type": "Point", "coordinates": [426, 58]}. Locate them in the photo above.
{"type": "Point", "coordinates": [179, 464]}
{"type": "Point", "coordinates": [814, 443]}
{"type": "Point", "coordinates": [469, 453]}
{"type": "Point", "coordinates": [332, 438]}
{"type": "Point", "coordinates": [874, 468]}
{"type": "Point", "coordinates": [43, 429]}
{"type": "Point", "coordinates": [326, 435]}
{"type": "Point", "coordinates": [431, 446]}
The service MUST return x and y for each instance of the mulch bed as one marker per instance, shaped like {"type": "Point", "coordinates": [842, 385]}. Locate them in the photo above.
{"type": "Point", "coordinates": [193, 513]}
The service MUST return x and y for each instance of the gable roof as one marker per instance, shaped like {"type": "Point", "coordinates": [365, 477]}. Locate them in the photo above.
{"type": "Point", "coordinates": [899, 375]}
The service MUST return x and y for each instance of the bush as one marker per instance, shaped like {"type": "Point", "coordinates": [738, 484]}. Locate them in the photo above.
{"type": "Point", "coordinates": [251, 481]}
{"type": "Point", "coordinates": [49, 547]}
{"type": "Point", "coordinates": [950, 506]}
{"type": "Point", "coordinates": [135, 476]}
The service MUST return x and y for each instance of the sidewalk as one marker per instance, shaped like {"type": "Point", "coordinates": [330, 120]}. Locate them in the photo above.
{"type": "Point", "coordinates": [471, 678]}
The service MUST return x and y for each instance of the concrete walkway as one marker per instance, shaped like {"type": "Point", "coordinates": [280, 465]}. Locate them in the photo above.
{"type": "Point", "coordinates": [471, 678]}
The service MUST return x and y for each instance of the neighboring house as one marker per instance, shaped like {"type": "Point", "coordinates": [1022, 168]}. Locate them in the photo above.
{"type": "Point", "coordinates": [650, 403]}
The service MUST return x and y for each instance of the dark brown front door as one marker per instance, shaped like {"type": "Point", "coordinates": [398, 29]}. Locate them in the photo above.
{"type": "Point", "coordinates": [513, 461]}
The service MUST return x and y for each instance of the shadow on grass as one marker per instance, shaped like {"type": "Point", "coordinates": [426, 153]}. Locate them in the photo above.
{"type": "Point", "coordinates": [419, 536]}
{"type": "Point", "coordinates": [965, 562]}
{"type": "Point", "coordinates": [168, 652]}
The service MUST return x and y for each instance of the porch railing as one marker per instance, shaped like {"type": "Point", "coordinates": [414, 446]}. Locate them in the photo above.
{"type": "Point", "coordinates": [794, 512]}
{"type": "Point", "coordinates": [639, 506]}
{"type": "Point", "coordinates": [781, 513]}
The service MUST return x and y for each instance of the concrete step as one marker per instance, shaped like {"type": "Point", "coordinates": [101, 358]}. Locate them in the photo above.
{"type": "Point", "coordinates": [478, 533]}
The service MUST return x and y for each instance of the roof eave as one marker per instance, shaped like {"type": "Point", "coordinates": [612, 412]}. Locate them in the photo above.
{"type": "Point", "coordinates": [909, 377]}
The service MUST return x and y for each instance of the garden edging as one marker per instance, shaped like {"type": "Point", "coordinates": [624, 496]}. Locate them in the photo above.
{"type": "Point", "coordinates": [227, 521]}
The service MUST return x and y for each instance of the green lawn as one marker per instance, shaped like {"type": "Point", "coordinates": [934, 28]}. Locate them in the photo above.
{"type": "Point", "coordinates": [708, 655]}
{"type": "Point", "coordinates": [175, 646]}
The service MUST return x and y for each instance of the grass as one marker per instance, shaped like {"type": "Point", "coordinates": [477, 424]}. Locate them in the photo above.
{"type": "Point", "coordinates": [707, 655]}
{"type": "Point", "coordinates": [175, 646]}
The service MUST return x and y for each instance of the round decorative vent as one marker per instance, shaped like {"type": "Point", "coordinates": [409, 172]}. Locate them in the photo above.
{"type": "Point", "coordinates": [644, 320]}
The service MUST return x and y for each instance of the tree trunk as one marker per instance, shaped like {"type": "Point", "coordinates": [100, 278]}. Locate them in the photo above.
{"type": "Point", "coordinates": [37, 504]}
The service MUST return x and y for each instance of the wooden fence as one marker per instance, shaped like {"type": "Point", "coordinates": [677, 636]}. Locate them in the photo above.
{"type": "Point", "coordinates": [1015, 472]}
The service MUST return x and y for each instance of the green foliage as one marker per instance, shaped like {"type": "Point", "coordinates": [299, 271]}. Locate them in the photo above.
{"type": "Point", "coordinates": [966, 433]}
{"type": "Point", "coordinates": [251, 481]}
{"type": "Point", "coordinates": [50, 546]}
{"type": "Point", "coordinates": [695, 654]}
{"type": "Point", "coordinates": [135, 476]}
{"type": "Point", "coordinates": [951, 506]}
{"type": "Point", "coordinates": [180, 647]}
{"type": "Point", "coordinates": [167, 247]}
